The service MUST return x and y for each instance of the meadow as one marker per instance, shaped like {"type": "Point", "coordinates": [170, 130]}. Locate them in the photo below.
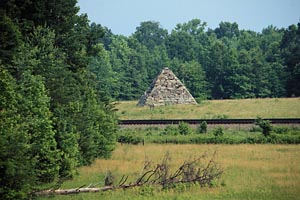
{"type": "Point", "coordinates": [215, 109]}
{"type": "Point", "coordinates": [250, 172]}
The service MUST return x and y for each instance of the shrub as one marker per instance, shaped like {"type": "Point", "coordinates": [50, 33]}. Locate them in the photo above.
{"type": "Point", "coordinates": [255, 129]}
{"type": "Point", "coordinates": [170, 130]}
{"type": "Point", "coordinates": [265, 125]}
{"type": "Point", "coordinates": [184, 128]}
{"type": "Point", "coordinates": [218, 131]}
{"type": "Point", "coordinates": [281, 130]}
{"type": "Point", "coordinates": [130, 138]}
{"type": "Point", "coordinates": [202, 127]}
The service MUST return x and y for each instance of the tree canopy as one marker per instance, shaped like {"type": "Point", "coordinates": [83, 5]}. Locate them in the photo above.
{"type": "Point", "coordinates": [53, 117]}
{"type": "Point", "coordinates": [228, 62]}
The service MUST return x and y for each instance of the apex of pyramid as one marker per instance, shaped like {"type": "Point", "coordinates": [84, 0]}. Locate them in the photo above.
{"type": "Point", "coordinates": [166, 89]}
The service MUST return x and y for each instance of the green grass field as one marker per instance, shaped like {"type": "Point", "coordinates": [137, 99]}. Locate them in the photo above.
{"type": "Point", "coordinates": [251, 172]}
{"type": "Point", "coordinates": [215, 109]}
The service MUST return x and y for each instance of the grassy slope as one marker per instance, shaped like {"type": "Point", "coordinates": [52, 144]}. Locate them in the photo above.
{"type": "Point", "coordinates": [213, 109]}
{"type": "Point", "coordinates": [251, 172]}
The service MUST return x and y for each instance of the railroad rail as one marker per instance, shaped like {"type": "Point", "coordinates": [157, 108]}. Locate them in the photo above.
{"type": "Point", "coordinates": [208, 121]}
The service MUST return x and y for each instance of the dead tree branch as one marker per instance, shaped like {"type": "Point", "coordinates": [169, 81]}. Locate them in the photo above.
{"type": "Point", "coordinates": [190, 171]}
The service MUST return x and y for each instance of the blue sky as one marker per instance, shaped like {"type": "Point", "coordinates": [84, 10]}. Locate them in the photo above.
{"type": "Point", "coordinates": [123, 16]}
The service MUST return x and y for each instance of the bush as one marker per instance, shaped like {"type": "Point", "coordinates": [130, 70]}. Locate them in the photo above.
{"type": "Point", "coordinates": [184, 128]}
{"type": "Point", "coordinates": [255, 129]}
{"type": "Point", "coordinates": [227, 139]}
{"type": "Point", "coordinates": [170, 130]}
{"type": "Point", "coordinates": [130, 138]}
{"type": "Point", "coordinates": [218, 132]}
{"type": "Point", "coordinates": [281, 130]}
{"type": "Point", "coordinates": [265, 125]}
{"type": "Point", "coordinates": [202, 127]}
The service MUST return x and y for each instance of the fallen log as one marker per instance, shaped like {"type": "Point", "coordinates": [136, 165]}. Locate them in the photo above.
{"type": "Point", "coordinates": [192, 171]}
{"type": "Point", "coordinates": [73, 191]}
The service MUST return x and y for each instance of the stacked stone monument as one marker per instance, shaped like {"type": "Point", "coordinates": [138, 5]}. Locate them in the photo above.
{"type": "Point", "coordinates": [166, 89]}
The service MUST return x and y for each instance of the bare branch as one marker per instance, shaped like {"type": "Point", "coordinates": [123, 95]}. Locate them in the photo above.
{"type": "Point", "coordinates": [190, 171]}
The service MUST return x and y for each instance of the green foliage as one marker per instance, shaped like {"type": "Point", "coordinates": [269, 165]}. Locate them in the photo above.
{"type": "Point", "coordinates": [150, 34]}
{"type": "Point", "coordinates": [236, 63]}
{"type": "Point", "coordinates": [281, 130]}
{"type": "Point", "coordinates": [170, 130]}
{"type": "Point", "coordinates": [194, 78]}
{"type": "Point", "coordinates": [218, 132]}
{"type": "Point", "coordinates": [59, 75]}
{"type": "Point", "coordinates": [16, 170]}
{"type": "Point", "coordinates": [34, 110]}
{"type": "Point", "coordinates": [129, 138]}
{"type": "Point", "coordinates": [290, 45]}
{"type": "Point", "coordinates": [54, 118]}
{"type": "Point", "coordinates": [221, 63]}
{"type": "Point", "coordinates": [101, 68]}
{"type": "Point", "coordinates": [265, 125]}
{"type": "Point", "coordinates": [10, 39]}
{"type": "Point", "coordinates": [292, 136]}
{"type": "Point", "coordinates": [202, 128]}
{"type": "Point", "coordinates": [95, 123]}
{"type": "Point", "coordinates": [169, 134]}
{"type": "Point", "coordinates": [227, 29]}
{"type": "Point", "coordinates": [184, 128]}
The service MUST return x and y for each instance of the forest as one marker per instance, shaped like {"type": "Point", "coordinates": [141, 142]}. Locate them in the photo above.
{"type": "Point", "coordinates": [60, 74]}
{"type": "Point", "coordinates": [224, 63]}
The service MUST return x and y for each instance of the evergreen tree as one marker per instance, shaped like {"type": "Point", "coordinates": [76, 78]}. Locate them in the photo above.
{"type": "Point", "coordinates": [36, 122]}
{"type": "Point", "coordinates": [10, 39]}
{"type": "Point", "coordinates": [94, 37]}
{"type": "Point", "coordinates": [41, 58]}
{"type": "Point", "coordinates": [16, 169]}
{"type": "Point", "coordinates": [96, 124]}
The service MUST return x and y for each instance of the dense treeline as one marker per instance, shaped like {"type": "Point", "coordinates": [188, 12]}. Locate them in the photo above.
{"type": "Point", "coordinates": [52, 116]}
{"type": "Point", "coordinates": [217, 64]}
{"type": "Point", "coordinates": [59, 75]}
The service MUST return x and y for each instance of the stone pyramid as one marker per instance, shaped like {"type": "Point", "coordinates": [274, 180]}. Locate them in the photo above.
{"type": "Point", "coordinates": [166, 89]}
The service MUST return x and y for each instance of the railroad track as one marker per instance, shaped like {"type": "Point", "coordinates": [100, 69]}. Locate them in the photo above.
{"type": "Point", "coordinates": [208, 121]}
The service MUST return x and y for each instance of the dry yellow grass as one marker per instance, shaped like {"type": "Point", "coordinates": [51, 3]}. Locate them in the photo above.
{"type": "Point", "coordinates": [211, 109]}
{"type": "Point", "coordinates": [251, 171]}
